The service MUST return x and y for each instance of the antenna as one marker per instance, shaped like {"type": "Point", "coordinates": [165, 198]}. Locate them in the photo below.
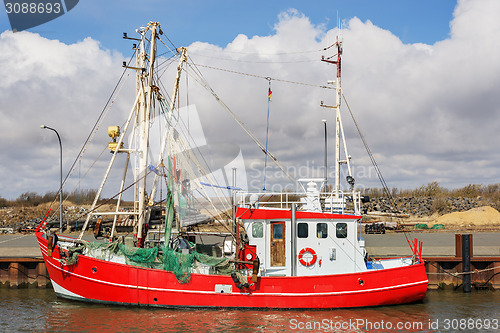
{"type": "Point", "coordinates": [339, 27]}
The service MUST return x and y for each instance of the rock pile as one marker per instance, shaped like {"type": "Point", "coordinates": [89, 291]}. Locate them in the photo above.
{"type": "Point", "coordinates": [422, 206]}
{"type": "Point", "coordinates": [19, 218]}
{"type": "Point", "coordinates": [25, 218]}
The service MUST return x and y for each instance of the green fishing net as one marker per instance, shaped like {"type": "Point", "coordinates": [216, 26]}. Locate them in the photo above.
{"type": "Point", "coordinates": [159, 257]}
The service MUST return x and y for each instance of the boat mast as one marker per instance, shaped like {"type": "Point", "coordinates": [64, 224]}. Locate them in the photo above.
{"type": "Point", "coordinates": [339, 129]}
{"type": "Point", "coordinates": [183, 58]}
{"type": "Point", "coordinates": [144, 120]}
{"type": "Point", "coordinates": [142, 111]}
{"type": "Point", "coordinates": [338, 91]}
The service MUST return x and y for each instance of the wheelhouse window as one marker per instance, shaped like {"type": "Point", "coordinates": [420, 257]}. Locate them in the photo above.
{"type": "Point", "coordinates": [302, 230]}
{"type": "Point", "coordinates": [257, 230]}
{"type": "Point", "coordinates": [322, 230]}
{"type": "Point", "coordinates": [277, 231]}
{"type": "Point", "coordinates": [341, 230]}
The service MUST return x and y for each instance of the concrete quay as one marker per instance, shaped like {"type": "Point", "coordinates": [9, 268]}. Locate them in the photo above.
{"type": "Point", "coordinates": [444, 260]}
{"type": "Point", "coordinates": [435, 244]}
{"type": "Point", "coordinates": [21, 262]}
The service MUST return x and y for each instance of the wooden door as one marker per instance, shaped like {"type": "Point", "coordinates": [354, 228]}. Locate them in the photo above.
{"type": "Point", "coordinates": [277, 243]}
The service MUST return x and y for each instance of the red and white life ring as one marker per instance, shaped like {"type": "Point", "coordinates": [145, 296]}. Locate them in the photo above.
{"type": "Point", "coordinates": [309, 262]}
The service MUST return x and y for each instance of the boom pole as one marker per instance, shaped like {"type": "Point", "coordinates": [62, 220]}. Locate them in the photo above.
{"type": "Point", "coordinates": [144, 120]}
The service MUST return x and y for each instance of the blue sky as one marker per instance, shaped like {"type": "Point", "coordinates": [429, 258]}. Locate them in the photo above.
{"type": "Point", "coordinates": [218, 22]}
{"type": "Point", "coordinates": [421, 77]}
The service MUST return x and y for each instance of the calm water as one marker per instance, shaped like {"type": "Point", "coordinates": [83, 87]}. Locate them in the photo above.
{"type": "Point", "coordinates": [32, 310]}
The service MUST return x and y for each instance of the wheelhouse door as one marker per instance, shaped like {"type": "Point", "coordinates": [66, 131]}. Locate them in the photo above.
{"type": "Point", "coordinates": [277, 243]}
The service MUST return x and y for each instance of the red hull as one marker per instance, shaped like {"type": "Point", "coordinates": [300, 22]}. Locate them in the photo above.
{"type": "Point", "coordinates": [95, 280]}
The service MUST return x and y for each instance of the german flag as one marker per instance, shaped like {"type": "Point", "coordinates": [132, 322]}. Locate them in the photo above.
{"type": "Point", "coordinates": [269, 94]}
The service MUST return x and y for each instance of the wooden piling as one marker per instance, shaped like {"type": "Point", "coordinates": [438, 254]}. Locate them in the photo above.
{"type": "Point", "coordinates": [466, 256]}
{"type": "Point", "coordinates": [23, 273]}
{"type": "Point", "coordinates": [449, 271]}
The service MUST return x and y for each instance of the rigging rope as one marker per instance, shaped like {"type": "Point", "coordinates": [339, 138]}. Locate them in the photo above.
{"type": "Point", "coordinates": [375, 165]}
{"type": "Point", "coordinates": [186, 149]}
{"type": "Point", "coordinates": [263, 77]}
{"type": "Point", "coordinates": [201, 80]}
{"type": "Point", "coordinates": [259, 62]}
{"type": "Point", "coordinates": [272, 54]}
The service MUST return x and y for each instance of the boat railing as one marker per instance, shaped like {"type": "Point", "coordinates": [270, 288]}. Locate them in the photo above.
{"type": "Point", "coordinates": [346, 203]}
{"type": "Point", "coordinates": [283, 200]}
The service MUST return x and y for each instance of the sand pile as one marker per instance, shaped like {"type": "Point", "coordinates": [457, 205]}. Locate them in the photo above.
{"type": "Point", "coordinates": [480, 216]}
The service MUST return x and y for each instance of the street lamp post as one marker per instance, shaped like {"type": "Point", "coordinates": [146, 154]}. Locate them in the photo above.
{"type": "Point", "coordinates": [61, 183]}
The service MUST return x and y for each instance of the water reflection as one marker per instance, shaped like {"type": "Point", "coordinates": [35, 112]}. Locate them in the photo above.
{"type": "Point", "coordinates": [39, 310]}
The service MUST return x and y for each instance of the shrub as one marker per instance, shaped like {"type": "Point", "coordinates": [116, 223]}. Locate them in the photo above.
{"type": "Point", "coordinates": [440, 205]}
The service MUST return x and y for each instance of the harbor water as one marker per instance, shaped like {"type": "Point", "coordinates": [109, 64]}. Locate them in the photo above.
{"type": "Point", "coordinates": [39, 310]}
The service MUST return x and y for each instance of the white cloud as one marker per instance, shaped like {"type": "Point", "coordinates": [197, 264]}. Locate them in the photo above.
{"type": "Point", "coordinates": [432, 102]}
{"type": "Point", "coordinates": [51, 83]}
{"type": "Point", "coordinates": [430, 112]}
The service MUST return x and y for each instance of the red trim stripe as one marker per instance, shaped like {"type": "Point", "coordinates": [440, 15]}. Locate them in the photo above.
{"type": "Point", "coordinates": [246, 213]}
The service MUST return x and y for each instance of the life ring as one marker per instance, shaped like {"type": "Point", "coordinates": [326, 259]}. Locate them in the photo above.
{"type": "Point", "coordinates": [301, 256]}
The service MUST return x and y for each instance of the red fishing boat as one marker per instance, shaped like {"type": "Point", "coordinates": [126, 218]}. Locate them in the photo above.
{"type": "Point", "coordinates": [301, 250]}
